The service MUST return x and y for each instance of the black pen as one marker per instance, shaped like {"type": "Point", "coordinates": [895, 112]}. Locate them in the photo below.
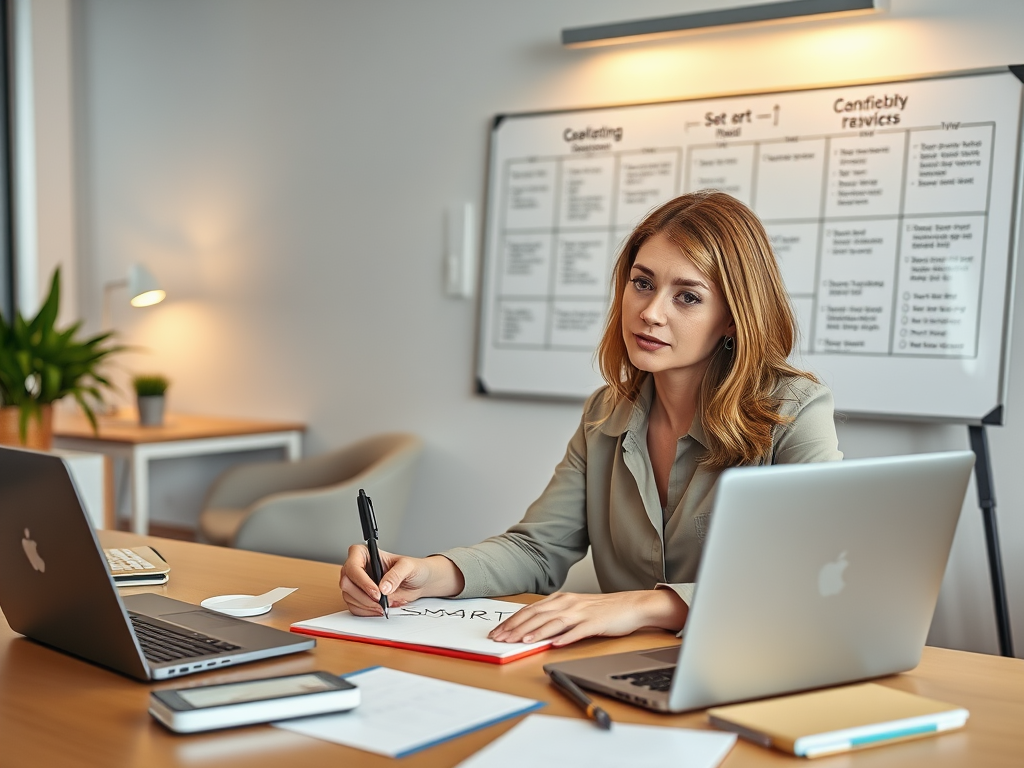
{"type": "Point", "coordinates": [564, 682]}
{"type": "Point", "coordinates": [369, 522]}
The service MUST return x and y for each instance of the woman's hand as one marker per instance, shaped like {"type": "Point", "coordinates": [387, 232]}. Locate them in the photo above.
{"type": "Point", "coordinates": [568, 617]}
{"type": "Point", "coordinates": [405, 579]}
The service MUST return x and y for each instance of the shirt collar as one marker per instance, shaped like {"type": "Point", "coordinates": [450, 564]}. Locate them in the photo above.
{"type": "Point", "coordinates": [630, 416]}
{"type": "Point", "coordinates": [697, 430]}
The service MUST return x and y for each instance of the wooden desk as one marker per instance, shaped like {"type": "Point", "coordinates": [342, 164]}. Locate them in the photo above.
{"type": "Point", "coordinates": [121, 437]}
{"type": "Point", "coordinates": [58, 711]}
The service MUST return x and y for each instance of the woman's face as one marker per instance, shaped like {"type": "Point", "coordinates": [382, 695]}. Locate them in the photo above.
{"type": "Point", "coordinates": [673, 317]}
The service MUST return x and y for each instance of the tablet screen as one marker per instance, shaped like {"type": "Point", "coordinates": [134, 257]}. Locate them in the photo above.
{"type": "Point", "coordinates": [253, 690]}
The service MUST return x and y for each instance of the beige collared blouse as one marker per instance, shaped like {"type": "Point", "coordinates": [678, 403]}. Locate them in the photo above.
{"type": "Point", "coordinates": [603, 495]}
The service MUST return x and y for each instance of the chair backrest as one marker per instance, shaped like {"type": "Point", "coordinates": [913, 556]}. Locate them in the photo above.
{"type": "Point", "coordinates": [321, 522]}
{"type": "Point", "coordinates": [582, 577]}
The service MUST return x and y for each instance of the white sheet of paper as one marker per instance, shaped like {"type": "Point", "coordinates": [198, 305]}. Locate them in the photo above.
{"type": "Point", "coordinates": [457, 624]}
{"type": "Point", "coordinates": [258, 601]}
{"type": "Point", "coordinates": [570, 742]}
{"type": "Point", "coordinates": [400, 713]}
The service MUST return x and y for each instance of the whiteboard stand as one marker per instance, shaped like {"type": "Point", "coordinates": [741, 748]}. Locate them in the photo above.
{"type": "Point", "coordinates": [987, 502]}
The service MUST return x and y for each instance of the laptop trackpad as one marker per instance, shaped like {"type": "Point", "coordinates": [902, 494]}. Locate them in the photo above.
{"type": "Point", "coordinates": [200, 620]}
{"type": "Point", "coordinates": [664, 655]}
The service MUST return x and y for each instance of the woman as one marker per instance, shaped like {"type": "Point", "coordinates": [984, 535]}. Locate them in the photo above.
{"type": "Point", "coordinates": [694, 354]}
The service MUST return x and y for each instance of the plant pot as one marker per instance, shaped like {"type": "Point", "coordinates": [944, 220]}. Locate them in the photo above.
{"type": "Point", "coordinates": [39, 435]}
{"type": "Point", "coordinates": [151, 410]}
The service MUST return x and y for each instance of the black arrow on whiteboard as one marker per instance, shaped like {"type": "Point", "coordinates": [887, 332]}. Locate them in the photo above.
{"type": "Point", "coordinates": [769, 115]}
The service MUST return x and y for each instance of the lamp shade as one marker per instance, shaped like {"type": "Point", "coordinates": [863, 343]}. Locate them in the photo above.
{"type": "Point", "coordinates": [143, 288]}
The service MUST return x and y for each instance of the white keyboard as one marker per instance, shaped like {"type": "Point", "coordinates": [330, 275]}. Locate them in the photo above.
{"type": "Point", "coordinates": [125, 560]}
{"type": "Point", "coordinates": [136, 566]}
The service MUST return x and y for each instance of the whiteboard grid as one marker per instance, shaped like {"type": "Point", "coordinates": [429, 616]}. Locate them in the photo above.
{"type": "Point", "coordinates": [894, 241]}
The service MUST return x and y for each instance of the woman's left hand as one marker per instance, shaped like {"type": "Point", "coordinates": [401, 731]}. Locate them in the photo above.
{"type": "Point", "coordinates": [568, 617]}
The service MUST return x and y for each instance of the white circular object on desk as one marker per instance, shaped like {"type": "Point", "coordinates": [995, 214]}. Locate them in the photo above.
{"type": "Point", "coordinates": [213, 602]}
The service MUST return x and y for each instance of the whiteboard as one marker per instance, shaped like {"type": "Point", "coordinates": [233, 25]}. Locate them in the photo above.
{"type": "Point", "coordinates": [891, 207]}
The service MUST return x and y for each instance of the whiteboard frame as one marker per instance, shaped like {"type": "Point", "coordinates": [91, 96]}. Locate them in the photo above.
{"type": "Point", "coordinates": [995, 416]}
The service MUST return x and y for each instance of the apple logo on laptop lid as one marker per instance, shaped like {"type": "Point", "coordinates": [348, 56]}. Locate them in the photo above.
{"type": "Point", "coordinates": [31, 552]}
{"type": "Point", "coordinates": [830, 577]}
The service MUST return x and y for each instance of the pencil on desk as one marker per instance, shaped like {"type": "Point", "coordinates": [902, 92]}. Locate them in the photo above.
{"type": "Point", "coordinates": [594, 712]}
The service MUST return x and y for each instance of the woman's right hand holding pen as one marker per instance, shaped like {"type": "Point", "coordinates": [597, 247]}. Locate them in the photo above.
{"type": "Point", "coordinates": [405, 579]}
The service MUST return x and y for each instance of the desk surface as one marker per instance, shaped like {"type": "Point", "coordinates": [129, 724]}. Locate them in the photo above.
{"type": "Point", "coordinates": [57, 710]}
{"type": "Point", "coordinates": [123, 427]}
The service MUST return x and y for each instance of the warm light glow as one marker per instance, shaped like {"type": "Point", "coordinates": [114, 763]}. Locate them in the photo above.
{"type": "Point", "coordinates": [812, 55]}
{"type": "Point", "coordinates": [149, 298]}
{"type": "Point", "coordinates": [832, 45]}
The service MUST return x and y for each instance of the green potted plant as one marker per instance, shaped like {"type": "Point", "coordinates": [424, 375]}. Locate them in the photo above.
{"type": "Point", "coordinates": [150, 391]}
{"type": "Point", "coordinates": [40, 364]}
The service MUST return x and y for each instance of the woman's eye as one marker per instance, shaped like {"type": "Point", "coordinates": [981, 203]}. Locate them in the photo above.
{"type": "Point", "coordinates": [686, 297]}
{"type": "Point", "coordinates": [641, 284]}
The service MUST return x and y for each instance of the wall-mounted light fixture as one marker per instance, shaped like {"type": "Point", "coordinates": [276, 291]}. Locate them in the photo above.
{"type": "Point", "coordinates": [667, 26]}
{"type": "Point", "coordinates": [143, 290]}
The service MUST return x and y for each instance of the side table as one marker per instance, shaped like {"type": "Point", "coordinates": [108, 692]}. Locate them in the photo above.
{"type": "Point", "coordinates": [121, 437]}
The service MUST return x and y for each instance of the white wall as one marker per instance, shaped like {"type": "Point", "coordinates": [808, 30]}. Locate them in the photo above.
{"type": "Point", "coordinates": [43, 164]}
{"type": "Point", "coordinates": [284, 167]}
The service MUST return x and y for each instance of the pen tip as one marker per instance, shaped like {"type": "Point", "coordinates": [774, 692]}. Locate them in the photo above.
{"type": "Point", "coordinates": [603, 720]}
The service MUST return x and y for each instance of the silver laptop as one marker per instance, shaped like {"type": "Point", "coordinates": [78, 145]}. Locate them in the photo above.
{"type": "Point", "coordinates": [812, 575]}
{"type": "Point", "coordinates": [56, 588]}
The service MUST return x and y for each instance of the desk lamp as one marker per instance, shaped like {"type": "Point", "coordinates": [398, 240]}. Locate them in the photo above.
{"type": "Point", "coordinates": [143, 290]}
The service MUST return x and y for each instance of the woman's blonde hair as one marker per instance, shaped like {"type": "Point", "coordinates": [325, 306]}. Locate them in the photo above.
{"type": "Point", "coordinates": [725, 240]}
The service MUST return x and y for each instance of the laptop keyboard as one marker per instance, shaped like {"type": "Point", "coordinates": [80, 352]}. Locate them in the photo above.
{"type": "Point", "coordinates": [655, 679]}
{"type": "Point", "coordinates": [161, 644]}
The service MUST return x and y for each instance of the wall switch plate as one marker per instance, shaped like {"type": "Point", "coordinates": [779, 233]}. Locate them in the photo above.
{"type": "Point", "coordinates": [459, 254]}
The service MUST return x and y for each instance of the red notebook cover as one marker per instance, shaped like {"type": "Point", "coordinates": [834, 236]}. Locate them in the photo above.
{"type": "Point", "coordinates": [455, 654]}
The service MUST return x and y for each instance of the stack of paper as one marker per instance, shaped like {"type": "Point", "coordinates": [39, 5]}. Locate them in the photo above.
{"type": "Point", "coordinates": [401, 713]}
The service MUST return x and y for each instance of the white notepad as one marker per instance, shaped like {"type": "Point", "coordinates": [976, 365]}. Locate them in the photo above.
{"type": "Point", "coordinates": [400, 713]}
{"type": "Point", "coordinates": [448, 627]}
{"type": "Point", "coordinates": [570, 742]}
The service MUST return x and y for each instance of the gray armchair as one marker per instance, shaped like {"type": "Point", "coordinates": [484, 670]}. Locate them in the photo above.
{"type": "Point", "coordinates": [307, 508]}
